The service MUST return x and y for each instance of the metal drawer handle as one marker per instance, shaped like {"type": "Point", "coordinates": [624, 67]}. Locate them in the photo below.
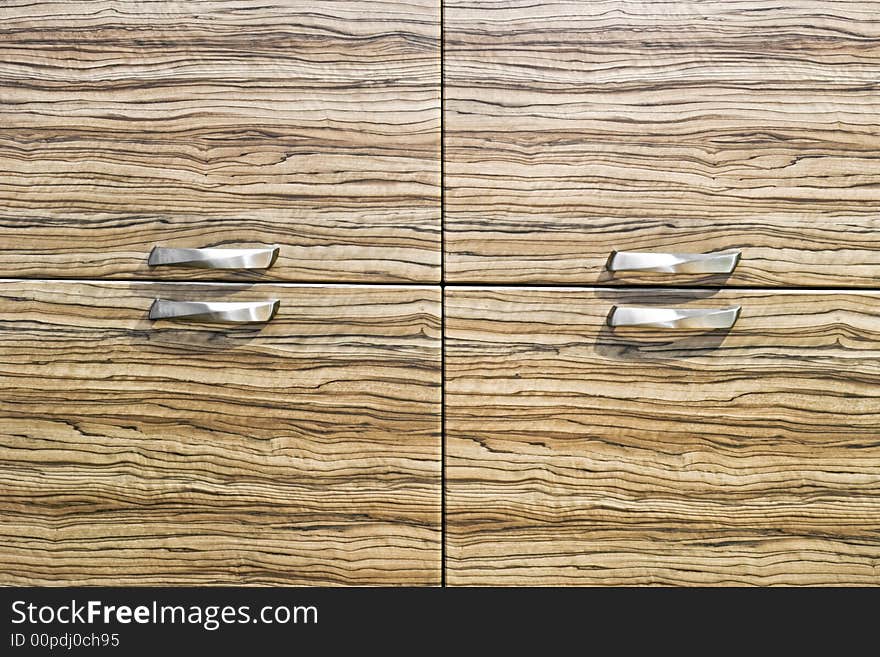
{"type": "Point", "coordinates": [674, 263]}
{"type": "Point", "coordinates": [674, 318]}
{"type": "Point", "coordinates": [261, 258]}
{"type": "Point", "coordinates": [210, 311]}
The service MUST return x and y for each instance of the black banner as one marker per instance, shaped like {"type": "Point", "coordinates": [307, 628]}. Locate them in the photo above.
{"type": "Point", "coordinates": [126, 621]}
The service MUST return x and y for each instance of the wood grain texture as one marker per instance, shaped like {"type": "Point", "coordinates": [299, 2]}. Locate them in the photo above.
{"type": "Point", "coordinates": [302, 452]}
{"type": "Point", "coordinates": [581, 455]}
{"type": "Point", "coordinates": [316, 126]}
{"type": "Point", "coordinates": [576, 128]}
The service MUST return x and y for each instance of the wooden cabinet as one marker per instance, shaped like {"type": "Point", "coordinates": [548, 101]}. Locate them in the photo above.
{"type": "Point", "coordinates": [578, 454]}
{"type": "Point", "coordinates": [315, 127]}
{"type": "Point", "coordinates": [302, 451]}
{"type": "Point", "coordinates": [574, 129]}
{"type": "Point", "coordinates": [729, 438]}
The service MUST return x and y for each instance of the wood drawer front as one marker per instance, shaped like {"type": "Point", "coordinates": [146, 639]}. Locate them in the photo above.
{"type": "Point", "coordinates": [128, 124]}
{"type": "Point", "coordinates": [578, 128]}
{"type": "Point", "coordinates": [578, 454]}
{"type": "Point", "coordinates": [303, 451]}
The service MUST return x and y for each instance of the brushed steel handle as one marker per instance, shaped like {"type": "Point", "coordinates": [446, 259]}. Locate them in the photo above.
{"type": "Point", "coordinates": [674, 318]}
{"type": "Point", "coordinates": [674, 263]}
{"type": "Point", "coordinates": [261, 258]}
{"type": "Point", "coordinates": [220, 311]}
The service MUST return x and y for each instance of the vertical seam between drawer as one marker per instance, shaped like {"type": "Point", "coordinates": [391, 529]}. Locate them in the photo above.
{"type": "Point", "coordinates": [442, 298]}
